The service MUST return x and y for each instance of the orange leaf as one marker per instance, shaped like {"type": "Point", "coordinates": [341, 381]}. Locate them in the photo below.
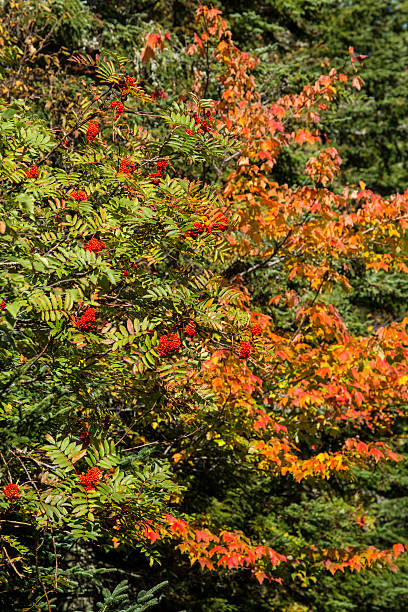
{"type": "Point", "coordinates": [398, 549]}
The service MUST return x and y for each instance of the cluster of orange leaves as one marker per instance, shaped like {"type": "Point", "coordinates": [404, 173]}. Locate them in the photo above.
{"type": "Point", "coordinates": [228, 550]}
{"type": "Point", "coordinates": [154, 42]}
{"type": "Point", "coordinates": [357, 561]}
{"type": "Point", "coordinates": [232, 550]}
{"type": "Point", "coordinates": [309, 220]}
{"type": "Point", "coordinates": [320, 376]}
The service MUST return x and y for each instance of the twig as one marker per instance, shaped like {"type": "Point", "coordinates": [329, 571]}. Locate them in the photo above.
{"type": "Point", "coordinates": [12, 564]}
{"type": "Point", "coordinates": [37, 570]}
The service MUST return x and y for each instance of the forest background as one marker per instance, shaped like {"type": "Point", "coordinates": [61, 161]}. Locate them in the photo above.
{"type": "Point", "coordinates": [182, 432]}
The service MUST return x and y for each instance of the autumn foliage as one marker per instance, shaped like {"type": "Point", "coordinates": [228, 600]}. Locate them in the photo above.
{"type": "Point", "coordinates": [127, 300]}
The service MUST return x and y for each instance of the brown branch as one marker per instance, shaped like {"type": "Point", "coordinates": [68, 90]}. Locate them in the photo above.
{"type": "Point", "coordinates": [12, 564]}
{"type": "Point", "coordinates": [37, 570]}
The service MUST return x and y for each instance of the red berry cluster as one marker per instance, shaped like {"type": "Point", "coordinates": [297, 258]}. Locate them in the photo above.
{"type": "Point", "coordinates": [221, 223]}
{"type": "Point", "coordinates": [159, 93]}
{"type": "Point", "coordinates": [32, 172]}
{"type": "Point", "coordinates": [78, 195]}
{"type": "Point", "coordinates": [244, 350]}
{"type": "Point", "coordinates": [94, 245]}
{"type": "Point", "coordinates": [199, 228]}
{"type": "Point", "coordinates": [256, 330]}
{"type": "Point", "coordinates": [196, 230]}
{"type": "Point", "coordinates": [127, 167]}
{"type": "Point", "coordinates": [203, 125]}
{"type": "Point", "coordinates": [168, 344]}
{"type": "Point", "coordinates": [118, 106]}
{"type": "Point", "coordinates": [161, 167]}
{"type": "Point", "coordinates": [190, 329]}
{"type": "Point", "coordinates": [3, 304]}
{"type": "Point", "coordinates": [86, 321]}
{"type": "Point", "coordinates": [130, 81]}
{"type": "Point", "coordinates": [12, 491]}
{"type": "Point", "coordinates": [90, 480]}
{"type": "Point", "coordinates": [93, 130]}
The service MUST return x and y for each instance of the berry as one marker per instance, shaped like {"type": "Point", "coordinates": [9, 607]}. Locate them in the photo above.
{"type": "Point", "coordinates": [3, 304]}
{"type": "Point", "coordinates": [161, 167]}
{"type": "Point", "coordinates": [87, 321]}
{"type": "Point", "coordinates": [78, 195]}
{"type": "Point", "coordinates": [93, 130]}
{"type": "Point", "coordinates": [127, 167]}
{"type": "Point", "coordinates": [256, 330]}
{"type": "Point", "coordinates": [162, 346]}
{"type": "Point", "coordinates": [244, 350]}
{"type": "Point", "coordinates": [203, 125]}
{"type": "Point", "coordinates": [190, 329]}
{"type": "Point", "coordinates": [90, 480]}
{"type": "Point", "coordinates": [124, 94]}
{"type": "Point", "coordinates": [196, 230]}
{"type": "Point", "coordinates": [162, 164]}
{"type": "Point", "coordinates": [119, 108]}
{"type": "Point", "coordinates": [12, 491]}
{"type": "Point", "coordinates": [174, 343]}
{"type": "Point", "coordinates": [168, 344]}
{"type": "Point", "coordinates": [94, 245]}
{"type": "Point", "coordinates": [130, 81]}
{"type": "Point", "coordinates": [221, 223]}
{"type": "Point", "coordinates": [32, 172]}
